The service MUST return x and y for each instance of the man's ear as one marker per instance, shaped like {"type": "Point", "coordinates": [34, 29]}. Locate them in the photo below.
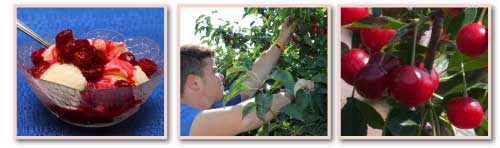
{"type": "Point", "coordinates": [193, 83]}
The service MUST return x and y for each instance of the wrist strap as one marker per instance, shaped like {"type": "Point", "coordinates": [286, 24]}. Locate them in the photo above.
{"type": "Point", "coordinates": [280, 46]}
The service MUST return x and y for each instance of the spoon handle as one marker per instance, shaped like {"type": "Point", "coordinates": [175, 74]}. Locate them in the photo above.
{"type": "Point", "coordinates": [21, 26]}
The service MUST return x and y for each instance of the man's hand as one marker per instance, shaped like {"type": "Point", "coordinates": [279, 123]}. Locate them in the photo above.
{"type": "Point", "coordinates": [303, 84]}
{"type": "Point", "coordinates": [285, 33]}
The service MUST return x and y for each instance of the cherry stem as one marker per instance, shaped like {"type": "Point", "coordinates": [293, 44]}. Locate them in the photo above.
{"type": "Point", "coordinates": [435, 120]}
{"type": "Point", "coordinates": [422, 122]}
{"type": "Point", "coordinates": [415, 35]}
{"type": "Point", "coordinates": [352, 94]}
{"type": "Point", "coordinates": [463, 76]}
{"type": "Point", "coordinates": [355, 39]}
{"type": "Point", "coordinates": [437, 23]}
{"type": "Point", "coordinates": [483, 12]}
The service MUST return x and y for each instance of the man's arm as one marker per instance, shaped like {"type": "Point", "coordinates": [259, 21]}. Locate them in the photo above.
{"type": "Point", "coordinates": [265, 63]}
{"type": "Point", "coordinates": [229, 121]}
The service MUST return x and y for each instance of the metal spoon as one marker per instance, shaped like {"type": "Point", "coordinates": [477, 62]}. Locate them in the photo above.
{"type": "Point", "coordinates": [21, 26]}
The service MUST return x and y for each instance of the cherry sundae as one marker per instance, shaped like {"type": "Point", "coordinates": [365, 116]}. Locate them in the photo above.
{"type": "Point", "coordinates": [101, 77]}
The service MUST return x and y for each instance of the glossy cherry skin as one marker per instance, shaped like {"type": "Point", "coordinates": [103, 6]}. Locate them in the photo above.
{"type": "Point", "coordinates": [411, 86]}
{"type": "Point", "coordinates": [351, 63]}
{"type": "Point", "coordinates": [375, 39]}
{"type": "Point", "coordinates": [390, 63]}
{"type": "Point", "coordinates": [472, 40]}
{"type": "Point", "coordinates": [464, 112]}
{"type": "Point", "coordinates": [349, 15]}
{"type": "Point", "coordinates": [371, 82]}
{"type": "Point", "coordinates": [434, 76]}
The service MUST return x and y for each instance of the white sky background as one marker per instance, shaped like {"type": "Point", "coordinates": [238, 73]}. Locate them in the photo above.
{"type": "Point", "coordinates": [189, 16]}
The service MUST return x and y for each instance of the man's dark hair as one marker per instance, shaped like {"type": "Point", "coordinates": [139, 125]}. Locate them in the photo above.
{"type": "Point", "coordinates": [192, 63]}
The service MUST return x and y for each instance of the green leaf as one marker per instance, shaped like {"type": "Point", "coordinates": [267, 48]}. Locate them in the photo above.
{"type": "Point", "coordinates": [469, 63]}
{"type": "Point", "coordinates": [285, 78]}
{"type": "Point", "coordinates": [482, 130]}
{"type": "Point", "coordinates": [236, 69]}
{"type": "Point", "coordinates": [352, 122]}
{"type": "Point", "coordinates": [293, 111]}
{"type": "Point", "coordinates": [370, 115]}
{"type": "Point", "coordinates": [236, 88]}
{"type": "Point", "coordinates": [376, 22]}
{"type": "Point", "coordinates": [302, 100]}
{"type": "Point", "coordinates": [249, 107]}
{"type": "Point", "coordinates": [264, 101]}
{"type": "Point", "coordinates": [398, 123]}
{"type": "Point", "coordinates": [405, 50]}
{"type": "Point", "coordinates": [320, 77]}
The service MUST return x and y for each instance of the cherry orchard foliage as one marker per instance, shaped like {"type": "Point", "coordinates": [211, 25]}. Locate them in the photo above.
{"type": "Point", "coordinates": [431, 90]}
{"type": "Point", "coordinates": [305, 57]}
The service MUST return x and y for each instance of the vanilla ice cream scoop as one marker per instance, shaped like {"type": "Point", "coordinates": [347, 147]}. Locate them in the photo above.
{"type": "Point", "coordinates": [65, 74]}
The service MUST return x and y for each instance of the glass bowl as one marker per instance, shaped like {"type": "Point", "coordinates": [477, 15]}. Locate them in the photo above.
{"type": "Point", "coordinates": [94, 107]}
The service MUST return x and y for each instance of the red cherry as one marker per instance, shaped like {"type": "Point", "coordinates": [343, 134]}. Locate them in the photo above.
{"type": "Point", "coordinates": [350, 15]}
{"type": "Point", "coordinates": [65, 52]}
{"type": "Point", "coordinates": [472, 40]}
{"type": "Point", "coordinates": [453, 11]}
{"type": "Point", "coordinates": [371, 82]}
{"type": "Point", "coordinates": [148, 66]}
{"type": "Point", "coordinates": [296, 29]}
{"type": "Point", "coordinates": [325, 31]}
{"type": "Point", "coordinates": [36, 56]}
{"type": "Point", "coordinates": [63, 37]}
{"type": "Point", "coordinates": [83, 54]}
{"type": "Point", "coordinates": [351, 63]}
{"type": "Point", "coordinates": [123, 83]}
{"type": "Point", "coordinates": [375, 39]}
{"type": "Point", "coordinates": [93, 73]}
{"type": "Point", "coordinates": [100, 57]}
{"type": "Point", "coordinates": [390, 62]}
{"type": "Point", "coordinates": [39, 69]}
{"type": "Point", "coordinates": [434, 76]}
{"type": "Point", "coordinates": [464, 112]}
{"type": "Point", "coordinates": [411, 86]}
{"type": "Point", "coordinates": [314, 28]}
{"type": "Point", "coordinates": [129, 57]}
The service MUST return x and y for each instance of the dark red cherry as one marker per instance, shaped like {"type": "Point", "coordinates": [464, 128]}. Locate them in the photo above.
{"type": "Point", "coordinates": [472, 40]}
{"type": "Point", "coordinates": [390, 63]}
{"type": "Point", "coordinates": [63, 37]}
{"type": "Point", "coordinates": [314, 28]}
{"type": "Point", "coordinates": [351, 63]}
{"type": "Point", "coordinates": [375, 39]}
{"type": "Point", "coordinates": [411, 86]}
{"type": "Point", "coordinates": [149, 67]}
{"type": "Point", "coordinates": [464, 112]}
{"type": "Point", "coordinates": [371, 82]}
{"type": "Point", "coordinates": [349, 15]}
{"type": "Point", "coordinates": [123, 83]}
{"type": "Point", "coordinates": [93, 73]}
{"type": "Point", "coordinates": [129, 57]}
{"type": "Point", "coordinates": [100, 58]}
{"type": "Point", "coordinates": [65, 52]}
{"type": "Point", "coordinates": [36, 56]}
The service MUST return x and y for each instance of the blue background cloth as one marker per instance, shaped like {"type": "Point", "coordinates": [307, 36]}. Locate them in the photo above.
{"type": "Point", "coordinates": [33, 119]}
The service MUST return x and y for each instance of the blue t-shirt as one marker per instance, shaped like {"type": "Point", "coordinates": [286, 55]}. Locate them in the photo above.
{"type": "Point", "coordinates": [188, 113]}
